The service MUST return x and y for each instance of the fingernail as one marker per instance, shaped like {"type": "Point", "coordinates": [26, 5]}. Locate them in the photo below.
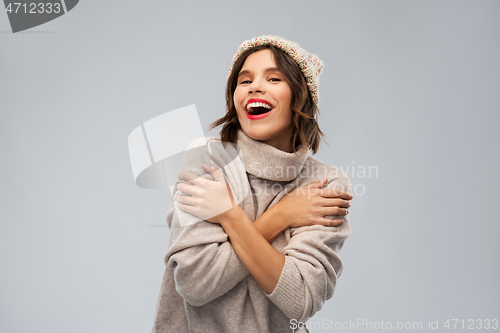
{"type": "Point", "coordinates": [350, 196]}
{"type": "Point", "coordinates": [349, 205]}
{"type": "Point", "coordinates": [348, 211]}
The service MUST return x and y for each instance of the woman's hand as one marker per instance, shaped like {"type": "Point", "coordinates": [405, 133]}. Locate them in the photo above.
{"type": "Point", "coordinates": [210, 200]}
{"type": "Point", "coordinates": [308, 204]}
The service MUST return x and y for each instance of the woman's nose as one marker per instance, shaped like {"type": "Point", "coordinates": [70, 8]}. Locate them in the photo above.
{"type": "Point", "coordinates": [255, 86]}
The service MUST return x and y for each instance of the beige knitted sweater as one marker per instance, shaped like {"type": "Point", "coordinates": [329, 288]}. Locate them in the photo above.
{"type": "Point", "coordinates": [206, 288]}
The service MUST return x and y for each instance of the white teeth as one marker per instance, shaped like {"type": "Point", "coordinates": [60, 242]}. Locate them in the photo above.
{"type": "Point", "coordinates": [259, 104]}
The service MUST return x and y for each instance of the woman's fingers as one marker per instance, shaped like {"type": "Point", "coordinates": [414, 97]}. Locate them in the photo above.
{"type": "Point", "coordinates": [203, 197]}
{"type": "Point", "coordinates": [330, 223]}
{"type": "Point", "coordinates": [189, 189]}
{"type": "Point", "coordinates": [332, 202]}
{"type": "Point", "coordinates": [186, 208]}
{"type": "Point", "coordinates": [332, 193]}
{"type": "Point", "coordinates": [185, 199]}
{"type": "Point", "coordinates": [215, 172]}
{"type": "Point", "coordinates": [192, 178]}
{"type": "Point", "coordinates": [334, 211]}
{"type": "Point", "coordinates": [207, 168]}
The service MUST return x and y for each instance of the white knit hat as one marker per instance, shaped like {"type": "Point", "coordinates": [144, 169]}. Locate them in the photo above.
{"type": "Point", "coordinates": [310, 64]}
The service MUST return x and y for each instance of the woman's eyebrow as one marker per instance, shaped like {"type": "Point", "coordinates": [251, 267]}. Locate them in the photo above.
{"type": "Point", "coordinates": [270, 69]}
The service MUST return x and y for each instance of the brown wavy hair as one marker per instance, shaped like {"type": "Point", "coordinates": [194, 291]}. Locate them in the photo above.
{"type": "Point", "coordinates": [305, 112]}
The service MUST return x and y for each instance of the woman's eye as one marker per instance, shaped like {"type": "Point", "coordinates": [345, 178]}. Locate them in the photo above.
{"type": "Point", "coordinates": [245, 82]}
{"type": "Point", "coordinates": [274, 79]}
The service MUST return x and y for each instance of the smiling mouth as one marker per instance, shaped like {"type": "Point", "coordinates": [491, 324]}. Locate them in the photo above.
{"type": "Point", "coordinates": [256, 108]}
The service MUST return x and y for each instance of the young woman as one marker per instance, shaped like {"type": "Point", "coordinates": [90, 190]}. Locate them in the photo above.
{"type": "Point", "coordinates": [269, 261]}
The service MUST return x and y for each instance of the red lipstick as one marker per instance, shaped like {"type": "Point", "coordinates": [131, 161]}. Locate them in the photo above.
{"type": "Point", "coordinates": [258, 116]}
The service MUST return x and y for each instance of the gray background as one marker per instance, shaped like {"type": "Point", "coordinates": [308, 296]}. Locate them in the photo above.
{"type": "Point", "coordinates": [409, 87]}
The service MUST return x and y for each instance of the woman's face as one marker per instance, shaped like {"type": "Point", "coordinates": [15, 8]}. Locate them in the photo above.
{"type": "Point", "coordinates": [262, 100]}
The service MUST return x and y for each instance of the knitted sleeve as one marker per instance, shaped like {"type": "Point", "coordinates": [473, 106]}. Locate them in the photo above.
{"type": "Point", "coordinates": [312, 265]}
{"type": "Point", "coordinates": [200, 254]}
{"type": "Point", "coordinates": [204, 262]}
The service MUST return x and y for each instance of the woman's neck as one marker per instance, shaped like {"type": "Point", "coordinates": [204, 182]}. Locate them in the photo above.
{"type": "Point", "coordinates": [282, 142]}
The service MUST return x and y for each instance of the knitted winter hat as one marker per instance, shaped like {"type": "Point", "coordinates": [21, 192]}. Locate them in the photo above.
{"type": "Point", "coordinates": [310, 64]}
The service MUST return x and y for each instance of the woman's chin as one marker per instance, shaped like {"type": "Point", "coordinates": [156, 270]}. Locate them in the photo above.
{"type": "Point", "coordinates": [256, 132]}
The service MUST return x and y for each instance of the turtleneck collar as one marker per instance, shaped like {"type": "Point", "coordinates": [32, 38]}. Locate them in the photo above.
{"type": "Point", "coordinates": [265, 161]}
